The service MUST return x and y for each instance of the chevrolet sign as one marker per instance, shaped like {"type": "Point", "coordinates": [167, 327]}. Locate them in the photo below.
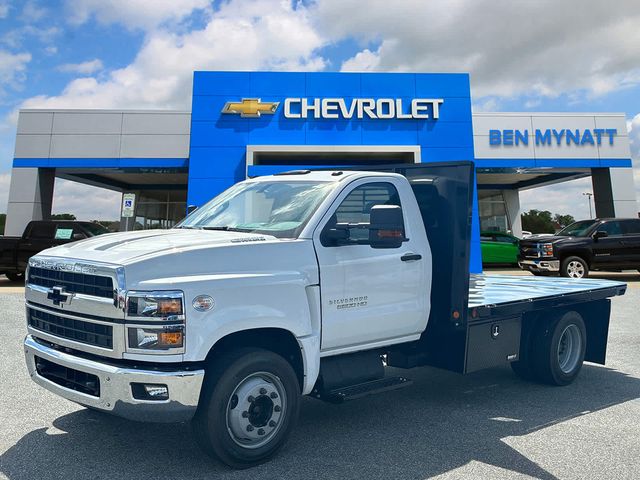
{"type": "Point", "coordinates": [336, 108]}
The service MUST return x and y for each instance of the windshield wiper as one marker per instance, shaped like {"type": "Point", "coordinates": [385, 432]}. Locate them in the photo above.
{"type": "Point", "coordinates": [227, 229]}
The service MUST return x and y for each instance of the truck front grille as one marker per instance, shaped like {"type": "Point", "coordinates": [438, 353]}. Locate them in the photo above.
{"type": "Point", "coordinates": [530, 252]}
{"type": "Point", "coordinates": [73, 282]}
{"type": "Point", "coordinates": [68, 377]}
{"type": "Point", "coordinates": [72, 329]}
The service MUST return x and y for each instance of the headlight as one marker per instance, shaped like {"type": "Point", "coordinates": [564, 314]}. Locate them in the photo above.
{"type": "Point", "coordinates": [156, 338]}
{"type": "Point", "coordinates": [155, 322]}
{"type": "Point", "coordinates": [155, 305]}
{"type": "Point", "coordinates": [547, 249]}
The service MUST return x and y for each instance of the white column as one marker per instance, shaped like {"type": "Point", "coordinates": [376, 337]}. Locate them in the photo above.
{"type": "Point", "coordinates": [30, 198]}
{"type": "Point", "coordinates": [512, 202]}
{"type": "Point", "coordinates": [624, 193]}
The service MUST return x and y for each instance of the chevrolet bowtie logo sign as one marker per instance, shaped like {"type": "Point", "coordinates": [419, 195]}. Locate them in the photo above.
{"type": "Point", "coordinates": [250, 107]}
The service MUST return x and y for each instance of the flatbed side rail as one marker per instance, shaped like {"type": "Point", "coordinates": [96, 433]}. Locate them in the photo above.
{"type": "Point", "coordinates": [500, 296]}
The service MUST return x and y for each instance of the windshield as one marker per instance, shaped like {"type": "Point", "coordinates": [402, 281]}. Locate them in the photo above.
{"type": "Point", "coordinates": [578, 229]}
{"type": "Point", "coordinates": [94, 229]}
{"type": "Point", "coordinates": [280, 209]}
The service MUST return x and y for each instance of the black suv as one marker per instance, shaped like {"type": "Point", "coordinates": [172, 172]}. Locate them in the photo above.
{"type": "Point", "coordinates": [600, 244]}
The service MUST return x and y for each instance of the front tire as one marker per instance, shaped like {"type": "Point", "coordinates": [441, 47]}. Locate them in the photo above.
{"type": "Point", "coordinates": [574, 267]}
{"type": "Point", "coordinates": [15, 276]}
{"type": "Point", "coordinates": [248, 407]}
{"type": "Point", "coordinates": [558, 350]}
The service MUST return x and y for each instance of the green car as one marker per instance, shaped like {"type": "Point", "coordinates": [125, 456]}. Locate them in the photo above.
{"type": "Point", "coordinates": [499, 247]}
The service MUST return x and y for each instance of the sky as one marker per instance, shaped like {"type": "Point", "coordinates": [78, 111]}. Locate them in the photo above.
{"type": "Point", "coordinates": [538, 56]}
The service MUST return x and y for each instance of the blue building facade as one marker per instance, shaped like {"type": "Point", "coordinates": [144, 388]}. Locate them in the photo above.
{"type": "Point", "coordinates": [219, 141]}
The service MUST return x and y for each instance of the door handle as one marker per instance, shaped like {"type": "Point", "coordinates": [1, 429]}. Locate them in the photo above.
{"type": "Point", "coordinates": [408, 257]}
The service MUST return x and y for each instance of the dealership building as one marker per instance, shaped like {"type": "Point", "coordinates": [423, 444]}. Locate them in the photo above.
{"type": "Point", "coordinates": [244, 124]}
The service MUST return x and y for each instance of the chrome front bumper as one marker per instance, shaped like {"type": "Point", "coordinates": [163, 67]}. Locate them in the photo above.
{"type": "Point", "coordinates": [116, 394]}
{"type": "Point", "coordinates": [540, 265]}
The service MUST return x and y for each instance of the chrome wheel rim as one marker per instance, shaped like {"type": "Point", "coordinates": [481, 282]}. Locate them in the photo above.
{"type": "Point", "coordinates": [575, 269]}
{"type": "Point", "coordinates": [569, 348]}
{"type": "Point", "coordinates": [255, 410]}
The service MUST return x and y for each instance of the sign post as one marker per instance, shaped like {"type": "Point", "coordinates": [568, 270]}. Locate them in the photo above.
{"type": "Point", "coordinates": [128, 208]}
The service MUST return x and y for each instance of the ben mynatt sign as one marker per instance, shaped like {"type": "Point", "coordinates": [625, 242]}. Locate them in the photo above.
{"type": "Point", "coordinates": [552, 136]}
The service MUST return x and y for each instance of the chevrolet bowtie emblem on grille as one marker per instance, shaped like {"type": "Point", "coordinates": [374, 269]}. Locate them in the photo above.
{"type": "Point", "coordinates": [58, 295]}
{"type": "Point", "coordinates": [250, 107]}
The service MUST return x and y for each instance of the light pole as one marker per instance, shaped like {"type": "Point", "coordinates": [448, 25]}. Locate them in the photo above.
{"type": "Point", "coordinates": [589, 194]}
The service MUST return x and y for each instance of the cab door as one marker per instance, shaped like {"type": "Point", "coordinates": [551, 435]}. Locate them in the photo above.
{"type": "Point", "coordinates": [631, 242]}
{"type": "Point", "coordinates": [370, 295]}
{"type": "Point", "coordinates": [608, 252]}
{"type": "Point", "coordinates": [506, 248]}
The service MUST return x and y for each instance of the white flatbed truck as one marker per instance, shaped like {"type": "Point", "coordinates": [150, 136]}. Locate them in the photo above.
{"type": "Point", "coordinates": [304, 283]}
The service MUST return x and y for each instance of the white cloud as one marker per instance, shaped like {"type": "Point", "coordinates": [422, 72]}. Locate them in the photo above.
{"type": "Point", "coordinates": [242, 35]}
{"type": "Point", "coordinates": [364, 61]}
{"type": "Point", "coordinates": [83, 68]}
{"type": "Point", "coordinates": [12, 69]}
{"type": "Point", "coordinates": [510, 48]}
{"type": "Point", "coordinates": [33, 12]}
{"type": "Point", "coordinates": [487, 104]}
{"type": "Point", "coordinates": [133, 14]}
{"type": "Point", "coordinates": [85, 202]}
{"type": "Point", "coordinates": [17, 37]}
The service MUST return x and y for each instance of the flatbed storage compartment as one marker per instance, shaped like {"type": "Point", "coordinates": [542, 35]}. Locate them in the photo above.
{"type": "Point", "coordinates": [502, 308]}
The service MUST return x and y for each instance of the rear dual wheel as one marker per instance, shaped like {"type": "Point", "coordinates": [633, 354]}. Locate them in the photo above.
{"type": "Point", "coordinates": [248, 407]}
{"type": "Point", "coordinates": [554, 353]}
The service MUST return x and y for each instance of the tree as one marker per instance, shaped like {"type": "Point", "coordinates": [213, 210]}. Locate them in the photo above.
{"type": "Point", "coordinates": [63, 216]}
{"type": "Point", "coordinates": [537, 221]}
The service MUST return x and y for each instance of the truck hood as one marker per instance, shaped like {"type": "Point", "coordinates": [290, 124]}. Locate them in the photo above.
{"type": "Point", "coordinates": [130, 247]}
{"type": "Point", "coordinates": [533, 242]}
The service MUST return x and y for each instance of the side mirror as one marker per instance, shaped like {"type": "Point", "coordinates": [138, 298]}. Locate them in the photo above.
{"type": "Point", "coordinates": [386, 226]}
{"type": "Point", "coordinates": [600, 234]}
{"type": "Point", "coordinates": [336, 235]}
{"type": "Point", "coordinates": [191, 209]}
{"type": "Point", "coordinates": [79, 236]}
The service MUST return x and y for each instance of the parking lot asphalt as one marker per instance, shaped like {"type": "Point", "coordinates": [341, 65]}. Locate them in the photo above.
{"type": "Point", "coordinates": [484, 425]}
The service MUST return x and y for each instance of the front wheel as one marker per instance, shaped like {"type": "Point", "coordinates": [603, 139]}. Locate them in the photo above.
{"type": "Point", "coordinates": [574, 267]}
{"type": "Point", "coordinates": [248, 407]}
{"type": "Point", "coordinates": [15, 276]}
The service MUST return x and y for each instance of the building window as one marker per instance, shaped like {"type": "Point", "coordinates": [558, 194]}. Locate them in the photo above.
{"type": "Point", "coordinates": [493, 212]}
{"type": "Point", "coordinates": [160, 209]}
